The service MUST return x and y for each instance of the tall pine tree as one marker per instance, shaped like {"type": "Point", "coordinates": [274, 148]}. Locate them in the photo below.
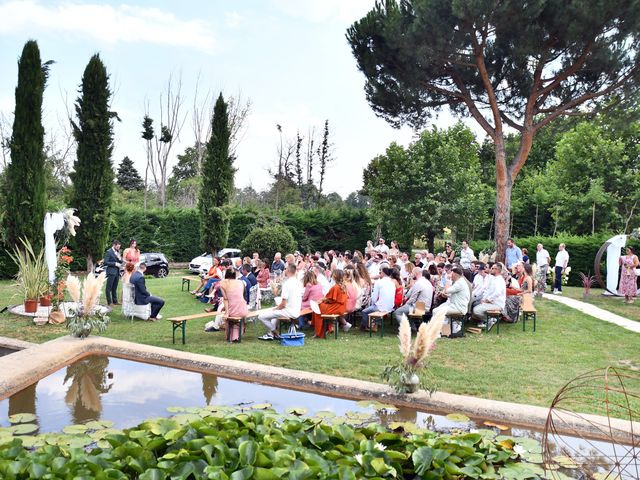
{"type": "Point", "coordinates": [93, 173]}
{"type": "Point", "coordinates": [25, 176]}
{"type": "Point", "coordinates": [217, 181]}
{"type": "Point", "coordinates": [128, 177]}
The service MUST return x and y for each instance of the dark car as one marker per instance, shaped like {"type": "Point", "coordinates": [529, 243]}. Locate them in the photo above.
{"type": "Point", "coordinates": [157, 264]}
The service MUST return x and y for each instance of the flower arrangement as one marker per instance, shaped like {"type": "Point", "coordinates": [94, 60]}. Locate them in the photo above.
{"type": "Point", "coordinates": [410, 372]}
{"type": "Point", "coordinates": [565, 276]}
{"type": "Point", "coordinates": [61, 273]}
{"type": "Point", "coordinates": [87, 314]}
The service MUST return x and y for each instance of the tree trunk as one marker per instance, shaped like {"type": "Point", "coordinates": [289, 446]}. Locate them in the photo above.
{"type": "Point", "coordinates": [431, 237]}
{"type": "Point", "coordinates": [593, 218]}
{"type": "Point", "coordinates": [535, 227]}
{"type": "Point", "coordinates": [502, 214]}
{"type": "Point", "coordinates": [90, 265]}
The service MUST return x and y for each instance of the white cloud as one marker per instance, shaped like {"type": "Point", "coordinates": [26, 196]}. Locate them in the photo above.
{"type": "Point", "coordinates": [343, 11]}
{"type": "Point", "coordinates": [233, 19]}
{"type": "Point", "coordinates": [106, 23]}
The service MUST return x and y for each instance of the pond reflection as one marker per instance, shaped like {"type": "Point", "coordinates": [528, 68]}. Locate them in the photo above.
{"type": "Point", "coordinates": [88, 380]}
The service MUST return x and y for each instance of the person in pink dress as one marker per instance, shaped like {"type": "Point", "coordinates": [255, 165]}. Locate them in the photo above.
{"type": "Point", "coordinates": [628, 284]}
{"type": "Point", "coordinates": [312, 291]}
{"type": "Point", "coordinates": [263, 274]}
{"type": "Point", "coordinates": [131, 257]}
{"type": "Point", "coordinates": [234, 302]}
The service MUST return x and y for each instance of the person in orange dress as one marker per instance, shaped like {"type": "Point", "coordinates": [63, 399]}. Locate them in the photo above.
{"type": "Point", "coordinates": [131, 257]}
{"type": "Point", "coordinates": [334, 302]}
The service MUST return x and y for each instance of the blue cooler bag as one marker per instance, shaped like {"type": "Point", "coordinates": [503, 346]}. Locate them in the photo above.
{"type": "Point", "coordinates": [293, 338]}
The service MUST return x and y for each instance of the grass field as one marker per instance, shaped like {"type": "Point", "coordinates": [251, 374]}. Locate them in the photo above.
{"type": "Point", "coordinates": [514, 366]}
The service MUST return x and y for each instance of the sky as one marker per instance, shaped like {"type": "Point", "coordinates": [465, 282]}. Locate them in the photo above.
{"type": "Point", "coordinates": [289, 58]}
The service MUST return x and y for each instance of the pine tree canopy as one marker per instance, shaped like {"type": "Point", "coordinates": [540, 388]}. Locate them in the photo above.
{"type": "Point", "coordinates": [128, 177]}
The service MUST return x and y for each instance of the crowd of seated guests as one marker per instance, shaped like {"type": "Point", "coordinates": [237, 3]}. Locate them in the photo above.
{"type": "Point", "coordinates": [383, 278]}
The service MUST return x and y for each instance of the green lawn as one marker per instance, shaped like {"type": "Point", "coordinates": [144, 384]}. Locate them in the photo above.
{"type": "Point", "coordinates": [514, 366]}
{"type": "Point", "coordinates": [609, 302]}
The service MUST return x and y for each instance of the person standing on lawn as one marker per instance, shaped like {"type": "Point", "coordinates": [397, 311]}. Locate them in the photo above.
{"type": "Point", "coordinates": [113, 262]}
{"type": "Point", "coordinates": [562, 261]}
{"type": "Point", "coordinates": [628, 282]}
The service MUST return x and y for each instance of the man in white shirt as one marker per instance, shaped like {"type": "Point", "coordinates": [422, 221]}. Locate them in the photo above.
{"type": "Point", "coordinates": [495, 295]}
{"type": "Point", "coordinates": [422, 291]}
{"type": "Point", "coordinates": [466, 255]}
{"type": "Point", "coordinates": [458, 295]}
{"type": "Point", "coordinates": [382, 297]}
{"type": "Point", "coordinates": [480, 283]}
{"type": "Point", "coordinates": [289, 306]}
{"type": "Point", "coordinates": [562, 261]}
{"type": "Point", "coordinates": [373, 268]}
{"type": "Point", "coordinates": [543, 260]}
{"type": "Point", "coordinates": [381, 247]}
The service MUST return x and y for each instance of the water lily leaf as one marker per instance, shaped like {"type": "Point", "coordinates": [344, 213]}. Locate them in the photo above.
{"type": "Point", "coordinates": [367, 403]}
{"type": "Point", "coordinates": [103, 444]}
{"type": "Point", "coordinates": [496, 425]}
{"type": "Point", "coordinates": [382, 468]}
{"type": "Point", "coordinates": [184, 418]}
{"type": "Point", "coordinates": [565, 462]}
{"type": "Point", "coordinates": [507, 444]}
{"type": "Point", "coordinates": [75, 429]}
{"type": "Point", "coordinates": [175, 409]}
{"type": "Point", "coordinates": [30, 441]}
{"type": "Point", "coordinates": [261, 406]}
{"type": "Point", "coordinates": [102, 434]}
{"type": "Point", "coordinates": [298, 411]}
{"type": "Point", "coordinates": [389, 408]}
{"type": "Point", "coordinates": [486, 433]}
{"type": "Point", "coordinates": [457, 417]}
{"type": "Point", "coordinates": [248, 451]}
{"type": "Point", "coordinates": [24, 428]}
{"type": "Point", "coordinates": [520, 471]}
{"type": "Point", "coordinates": [404, 426]}
{"type": "Point", "coordinates": [99, 424]}
{"type": "Point", "coordinates": [325, 414]}
{"type": "Point", "coordinates": [22, 418]}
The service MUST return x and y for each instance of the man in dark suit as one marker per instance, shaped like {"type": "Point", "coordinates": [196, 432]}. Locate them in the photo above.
{"type": "Point", "coordinates": [249, 280]}
{"type": "Point", "coordinates": [142, 295]}
{"type": "Point", "coordinates": [113, 262]}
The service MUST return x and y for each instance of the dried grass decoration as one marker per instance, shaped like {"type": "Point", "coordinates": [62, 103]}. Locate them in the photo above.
{"type": "Point", "coordinates": [87, 313]}
{"type": "Point", "coordinates": [411, 373]}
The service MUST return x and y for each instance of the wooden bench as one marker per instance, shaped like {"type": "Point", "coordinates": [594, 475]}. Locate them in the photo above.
{"type": "Point", "coordinates": [528, 311]}
{"type": "Point", "coordinates": [373, 316]}
{"type": "Point", "coordinates": [289, 321]}
{"type": "Point", "coordinates": [418, 313]}
{"type": "Point", "coordinates": [497, 314]}
{"type": "Point", "coordinates": [457, 317]}
{"type": "Point", "coordinates": [181, 322]}
{"type": "Point", "coordinates": [186, 280]}
{"type": "Point", "coordinates": [231, 321]}
{"type": "Point", "coordinates": [330, 318]}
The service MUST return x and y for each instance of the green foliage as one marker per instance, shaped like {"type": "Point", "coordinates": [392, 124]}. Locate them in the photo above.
{"type": "Point", "coordinates": [222, 443]}
{"type": "Point", "coordinates": [268, 240]}
{"type": "Point", "coordinates": [128, 177]}
{"type": "Point", "coordinates": [25, 175]}
{"type": "Point", "coordinates": [432, 184]}
{"type": "Point", "coordinates": [93, 173]}
{"type": "Point", "coordinates": [217, 181]}
{"type": "Point", "coordinates": [32, 270]}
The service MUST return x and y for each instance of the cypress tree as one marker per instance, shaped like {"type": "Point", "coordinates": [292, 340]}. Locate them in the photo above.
{"type": "Point", "coordinates": [93, 174]}
{"type": "Point", "coordinates": [217, 181]}
{"type": "Point", "coordinates": [25, 176]}
{"type": "Point", "coordinates": [128, 177]}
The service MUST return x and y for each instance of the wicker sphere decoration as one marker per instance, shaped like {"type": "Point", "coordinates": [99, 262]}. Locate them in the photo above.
{"type": "Point", "coordinates": [612, 448]}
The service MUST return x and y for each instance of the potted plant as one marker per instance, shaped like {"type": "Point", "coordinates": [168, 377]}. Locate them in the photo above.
{"type": "Point", "coordinates": [86, 314]}
{"type": "Point", "coordinates": [588, 281]}
{"type": "Point", "coordinates": [32, 274]}
{"type": "Point", "coordinates": [410, 373]}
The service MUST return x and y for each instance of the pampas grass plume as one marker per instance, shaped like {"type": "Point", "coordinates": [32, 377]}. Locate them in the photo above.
{"type": "Point", "coordinates": [428, 333]}
{"type": "Point", "coordinates": [73, 287]}
{"type": "Point", "coordinates": [404, 334]}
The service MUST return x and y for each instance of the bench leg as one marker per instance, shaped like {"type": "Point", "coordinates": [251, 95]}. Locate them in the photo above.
{"type": "Point", "coordinates": [498, 327]}
{"type": "Point", "coordinates": [241, 329]}
{"type": "Point", "coordinates": [335, 328]}
{"type": "Point", "coordinates": [524, 321]}
{"type": "Point", "coordinates": [382, 326]}
{"type": "Point", "coordinates": [534, 322]}
{"type": "Point", "coordinates": [184, 332]}
{"type": "Point", "coordinates": [173, 329]}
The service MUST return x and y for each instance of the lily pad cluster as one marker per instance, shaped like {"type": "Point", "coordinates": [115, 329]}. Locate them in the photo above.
{"type": "Point", "coordinates": [257, 443]}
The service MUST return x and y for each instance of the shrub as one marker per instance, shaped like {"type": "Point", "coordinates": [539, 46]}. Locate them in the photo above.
{"type": "Point", "coordinates": [269, 240]}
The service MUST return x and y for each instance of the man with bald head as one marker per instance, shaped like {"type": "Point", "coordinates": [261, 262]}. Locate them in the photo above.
{"type": "Point", "coordinates": [421, 291]}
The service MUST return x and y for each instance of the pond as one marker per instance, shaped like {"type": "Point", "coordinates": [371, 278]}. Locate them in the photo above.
{"type": "Point", "coordinates": [127, 392]}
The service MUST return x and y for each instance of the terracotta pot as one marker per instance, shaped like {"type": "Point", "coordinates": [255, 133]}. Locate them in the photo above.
{"type": "Point", "coordinates": [31, 306]}
{"type": "Point", "coordinates": [45, 301]}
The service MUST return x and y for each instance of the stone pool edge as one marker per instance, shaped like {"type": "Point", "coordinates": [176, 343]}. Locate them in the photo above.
{"type": "Point", "coordinates": [35, 361]}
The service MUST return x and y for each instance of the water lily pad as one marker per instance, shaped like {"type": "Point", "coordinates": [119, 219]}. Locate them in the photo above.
{"type": "Point", "coordinates": [24, 428]}
{"type": "Point", "coordinates": [184, 418]}
{"type": "Point", "coordinates": [457, 417]}
{"type": "Point", "coordinates": [565, 462]}
{"type": "Point", "coordinates": [298, 411]}
{"type": "Point", "coordinates": [367, 403]}
{"type": "Point", "coordinates": [387, 407]}
{"type": "Point", "coordinates": [404, 426]}
{"type": "Point", "coordinates": [496, 425]}
{"type": "Point", "coordinates": [75, 429]}
{"type": "Point", "coordinates": [175, 409]}
{"type": "Point", "coordinates": [261, 406]}
{"type": "Point", "coordinates": [486, 433]}
{"type": "Point", "coordinates": [99, 424]}
{"type": "Point", "coordinates": [22, 418]}
{"type": "Point", "coordinates": [325, 414]}
{"type": "Point", "coordinates": [103, 444]}
{"type": "Point", "coordinates": [103, 433]}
